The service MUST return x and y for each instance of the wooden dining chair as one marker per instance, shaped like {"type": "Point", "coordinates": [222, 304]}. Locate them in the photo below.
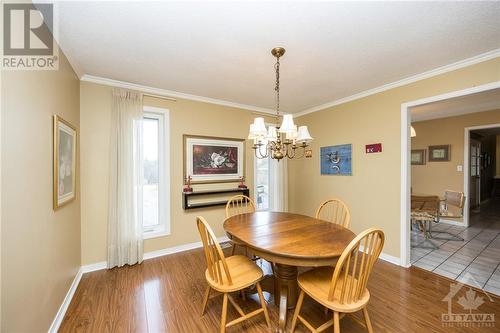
{"type": "Point", "coordinates": [226, 275]}
{"type": "Point", "coordinates": [336, 211]}
{"type": "Point", "coordinates": [239, 204]}
{"type": "Point", "coordinates": [343, 289]}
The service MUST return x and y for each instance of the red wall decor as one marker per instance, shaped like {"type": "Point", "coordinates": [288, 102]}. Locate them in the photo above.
{"type": "Point", "coordinates": [373, 148]}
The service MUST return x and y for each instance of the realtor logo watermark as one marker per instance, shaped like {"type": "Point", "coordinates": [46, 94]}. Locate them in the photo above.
{"type": "Point", "coordinates": [471, 301]}
{"type": "Point", "coordinates": [28, 37]}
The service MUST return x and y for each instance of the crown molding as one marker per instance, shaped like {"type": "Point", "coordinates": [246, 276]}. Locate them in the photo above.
{"type": "Point", "coordinates": [425, 75]}
{"type": "Point", "coordinates": [175, 94]}
{"type": "Point", "coordinates": [171, 93]}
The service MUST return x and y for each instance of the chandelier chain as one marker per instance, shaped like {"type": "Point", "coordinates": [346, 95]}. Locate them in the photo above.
{"type": "Point", "coordinates": [277, 87]}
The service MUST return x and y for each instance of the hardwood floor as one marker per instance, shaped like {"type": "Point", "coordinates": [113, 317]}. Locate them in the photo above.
{"type": "Point", "coordinates": [165, 295]}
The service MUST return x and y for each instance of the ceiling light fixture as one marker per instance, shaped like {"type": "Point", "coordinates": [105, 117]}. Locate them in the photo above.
{"type": "Point", "coordinates": [280, 141]}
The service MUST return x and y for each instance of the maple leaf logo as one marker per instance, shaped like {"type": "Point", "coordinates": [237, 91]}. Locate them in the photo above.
{"type": "Point", "coordinates": [470, 301]}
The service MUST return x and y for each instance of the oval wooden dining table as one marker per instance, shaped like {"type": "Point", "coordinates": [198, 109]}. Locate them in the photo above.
{"type": "Point", "coordinates": [289, 241]}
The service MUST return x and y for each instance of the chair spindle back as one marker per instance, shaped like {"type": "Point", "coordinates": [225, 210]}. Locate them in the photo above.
{"type": "Point", "coordinates": [216, 261]}
{"type": "Point", "coordinates": [239, 204]}
{"type": "Point", "coordinates": [336, 211]}
{"type": "Point", "coordinates": [454, 198]}
{"type": "Point", "coordinates": [355, 265]}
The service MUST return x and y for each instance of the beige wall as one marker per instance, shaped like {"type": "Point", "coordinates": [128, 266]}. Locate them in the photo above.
{"type": "Point", "coordinates": [373, 191]}
{"type": "Point", "coordinates": [40, 247]}
{"type": "Point", "coordinates": [436, 177]}
{"type": "Point", "coordinates": [186, 117]}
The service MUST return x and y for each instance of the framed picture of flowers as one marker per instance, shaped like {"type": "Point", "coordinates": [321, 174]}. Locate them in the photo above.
{"type": "Point", "coordinates": [64, 164]}
{"type": "Point", "coordinates": [213, 159]}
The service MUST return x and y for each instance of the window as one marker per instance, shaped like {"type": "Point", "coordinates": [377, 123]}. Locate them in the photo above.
{"type": "Point", "coordinates": [267, 190]}
{"type": "Point", "coordinates": [263, 184]}
{"type": "Point", "coordinates": [155, 184]}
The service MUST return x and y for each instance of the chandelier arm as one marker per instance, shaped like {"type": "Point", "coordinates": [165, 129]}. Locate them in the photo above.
{"type": "Point", "coordinates": [303, 151]}
{"type": "Point", "coordinates": [259, 153]}
{"type": "Point", "coordinates": [267, 151]}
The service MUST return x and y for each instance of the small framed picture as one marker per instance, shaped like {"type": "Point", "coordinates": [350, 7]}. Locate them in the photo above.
{"type": "Point", "coordinates": [439, 153]}
{"type": "Point", "coordinates": [418, 157]}
{"type": "Point", "coordinates": [64, 168]}
{"type": "Point", "coordinates": [213, 159]}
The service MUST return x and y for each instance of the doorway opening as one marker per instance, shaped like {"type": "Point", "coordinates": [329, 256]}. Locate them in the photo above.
{"type": "Point", "coordinates": [448, 177]}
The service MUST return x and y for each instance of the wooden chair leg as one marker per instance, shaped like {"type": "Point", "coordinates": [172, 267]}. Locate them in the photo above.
{"type": "Point", "coordinates": [336, 322]}
{"type": "Point", "coordinates": [367, 320]}
{"type": "Point", "coordinates": [263, 304]}
{"type": "Point", "coordinates": [205, 300]}
{"type": "Point", "coordinates": [297, 310]}
{"type": "Point", "coordinates": [224, 314]}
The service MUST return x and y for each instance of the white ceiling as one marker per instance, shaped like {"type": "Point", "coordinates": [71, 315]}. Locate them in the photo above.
{"type": "Point", "coordinates": [484, 101]}
{"type": "Point", "coordinates": [221, 50]}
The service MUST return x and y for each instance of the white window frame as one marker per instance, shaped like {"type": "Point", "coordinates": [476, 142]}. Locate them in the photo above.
{"type": "Point", "coordinates": [163, 228]}
{"type": "Point", "coordinates": [272, 188]}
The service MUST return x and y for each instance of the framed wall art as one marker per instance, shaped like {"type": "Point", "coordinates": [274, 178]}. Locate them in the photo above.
{"type": "Point", "coordinates": [336, 160]}
{"type": "Point", "coordinates": [418, 157]}
{"type": "Point", "coordinates": [213, 159]}
{"type": "Point", "coordinates": [64, 162]}
{"type": "Point", "coordinates": [439, 153]}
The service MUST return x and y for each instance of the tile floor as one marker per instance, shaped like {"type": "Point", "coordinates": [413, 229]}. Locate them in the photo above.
{"type": "Point", "coordinates": [474, 261]}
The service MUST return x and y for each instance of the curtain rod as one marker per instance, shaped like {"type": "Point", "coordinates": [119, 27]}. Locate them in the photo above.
{"type": "Point", "coordinates": [159, 96]}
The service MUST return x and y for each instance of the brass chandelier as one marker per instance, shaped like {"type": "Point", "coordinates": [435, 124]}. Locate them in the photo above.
{"type": "Point", "coordinates": [280, 141]}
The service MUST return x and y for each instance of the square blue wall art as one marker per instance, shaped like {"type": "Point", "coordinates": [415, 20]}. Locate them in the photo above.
{"type": "Point", "coordinates": [336, 160]}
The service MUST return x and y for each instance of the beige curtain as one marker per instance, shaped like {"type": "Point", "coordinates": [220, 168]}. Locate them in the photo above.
{"type": "Point", "coordinates": [125, 240]}
{"type": "Point", "coordinates": [280, 185]}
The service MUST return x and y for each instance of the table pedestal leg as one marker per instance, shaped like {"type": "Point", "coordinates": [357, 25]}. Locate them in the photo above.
{"type": "Point", "coordinates": [286, 292]}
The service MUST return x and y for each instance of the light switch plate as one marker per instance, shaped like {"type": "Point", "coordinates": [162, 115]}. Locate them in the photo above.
{"type": "Point", "coordinates": [460, 168]}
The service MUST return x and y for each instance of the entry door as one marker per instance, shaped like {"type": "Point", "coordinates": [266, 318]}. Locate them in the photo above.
{"type": "Point", "coordinates": [475, 174]}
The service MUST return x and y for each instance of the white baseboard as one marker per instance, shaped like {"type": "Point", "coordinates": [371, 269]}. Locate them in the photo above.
{"type": "Point", "coordinates": [390, 259]}
{"type": "Point", "coordinates": [94, 267]}
{"type": "Point", "coordinates": [179, 248]}
{"type": "Point", "coordinates": [54, 327]}
{"type": "Point", "coordinates": [452, 222]}
{"type": "Point", "coordinates": [386, 257]}
{"type": "Point", "coordinates": [153, 254]}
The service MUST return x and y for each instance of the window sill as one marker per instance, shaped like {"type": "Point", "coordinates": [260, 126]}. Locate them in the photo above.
{"type": "Point", "coordinates": [155, 234]}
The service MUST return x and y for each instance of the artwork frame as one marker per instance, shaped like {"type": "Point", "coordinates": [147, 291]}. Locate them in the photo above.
{"type": "Point", "coordinates": [336, 160]}
{"type": "Point", "coordinates": [64, 166]}
{"type": "Point", "coordinates": [199, 162]}
{"type": "Point", "coordinates": [439, 153]}
{"type": "Point", "coordinates": [417, 156]}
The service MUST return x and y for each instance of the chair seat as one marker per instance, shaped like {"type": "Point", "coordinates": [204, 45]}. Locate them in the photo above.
{"type": "Point", "coordinates": [421, 216]}
{"type": "Point", "coordinates": [316, 283]}
{"type": "Point", "coordinates": [446, 213]}
{"type": "Point", "coordinates": [244, 273]}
